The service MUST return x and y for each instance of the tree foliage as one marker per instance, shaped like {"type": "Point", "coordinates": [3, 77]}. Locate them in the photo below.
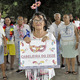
{"type": "Point", "coordinates": [49, 7]}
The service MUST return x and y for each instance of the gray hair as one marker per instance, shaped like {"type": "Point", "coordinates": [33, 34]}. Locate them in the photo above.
{"type": "Point", "coordinates": [57, 14]}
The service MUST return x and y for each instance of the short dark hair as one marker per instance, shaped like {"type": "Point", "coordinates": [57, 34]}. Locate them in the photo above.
{"type": "Point", "coordinates": [45, 20]}
{"type": "Point", "coordinates": [7, 17]}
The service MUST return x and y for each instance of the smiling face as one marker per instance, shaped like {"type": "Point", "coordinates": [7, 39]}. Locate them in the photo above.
{"type": "Point", "coordinates": [38, 22]}
{"type": "Point", "coordinates": [7, 21]}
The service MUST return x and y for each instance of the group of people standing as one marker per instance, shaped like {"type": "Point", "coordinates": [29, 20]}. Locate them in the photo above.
{"type": "Point", "coordinates": [64, 32]}
{"type": "Point", "coordinates": [10, 34]}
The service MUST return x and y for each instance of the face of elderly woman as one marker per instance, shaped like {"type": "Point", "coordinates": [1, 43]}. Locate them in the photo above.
{"type": "Point", "coordinates": [66, 18]}
{"type": "Point", "coordinates": [38, 22]}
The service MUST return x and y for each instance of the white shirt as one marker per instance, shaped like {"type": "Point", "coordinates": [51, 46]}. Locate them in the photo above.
{"type": "Point", "coordinates": [55, 29]}
{"type": "Point", "coordinates": [16, 33]}
{"type": "Point", "coordinates": [49, 34]}
{"type": "Point", "coordinates": [2, 22]}
{"type": "Point", "coordinates": [1, 37]}
{"type": "Point", "coordinates": [67, 34]}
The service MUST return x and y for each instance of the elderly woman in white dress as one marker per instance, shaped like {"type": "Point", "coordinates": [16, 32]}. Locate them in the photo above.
{"type": "Point", "coordinates": [38, 27]}
{"type": "Point", "coordinates": [69, 43]}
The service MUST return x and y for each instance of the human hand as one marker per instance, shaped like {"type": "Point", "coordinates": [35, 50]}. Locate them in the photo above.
{"type": "Point", "coordinates": [5, 49]}
{"type": "Point", "coordinates": [27, 40]}
{"type": "Point", "coordinates": [45, 38]}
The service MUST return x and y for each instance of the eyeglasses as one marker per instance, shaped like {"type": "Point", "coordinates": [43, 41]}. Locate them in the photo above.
{"type": "Point", "coordinates": [36, 21]}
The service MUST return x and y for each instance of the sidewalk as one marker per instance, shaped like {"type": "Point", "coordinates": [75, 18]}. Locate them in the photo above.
{"type": "Point", "coordinates": [12, 75]}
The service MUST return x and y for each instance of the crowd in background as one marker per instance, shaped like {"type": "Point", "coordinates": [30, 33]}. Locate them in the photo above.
{"type": "Point", "coordinates": [66, 33]}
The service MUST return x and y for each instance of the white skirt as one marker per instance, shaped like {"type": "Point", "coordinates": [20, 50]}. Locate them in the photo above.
{"type": "Point", "coordinates": [39, 74]}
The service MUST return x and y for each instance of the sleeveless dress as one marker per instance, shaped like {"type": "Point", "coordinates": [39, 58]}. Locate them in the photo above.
{"type": "Point", "coordinates": [68, 41]}
{"type": "Point", "coordinates": [35, 74]}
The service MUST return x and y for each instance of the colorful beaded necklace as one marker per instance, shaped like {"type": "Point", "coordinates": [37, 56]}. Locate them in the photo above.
{"type": "Point", "coordinates": [11, 31]}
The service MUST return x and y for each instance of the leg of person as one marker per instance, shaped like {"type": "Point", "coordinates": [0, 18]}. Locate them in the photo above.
{"type": "Point", "coordinates": [77, 58]}
{"type": "Point", "coordinates": [62, 62]}
{"type": "Point", "coordinates": [7, 59]}
{"type": "Point", "coordinates": [12, 54]}
{"type": "Point", "coordinates": [3, 71]}
{"type": "Point", "coordinates": [12, 62]}
{"type": "Point", "coordinates": [17, 56]}
{"type": "Point", "coordinates": [18, 71]}
{"type": "Point", "coordinates": [2, 62]}
{"type": "Point", "coordinates": [73, 66]}
{"type": "Point", "coordinates": [68, 65]}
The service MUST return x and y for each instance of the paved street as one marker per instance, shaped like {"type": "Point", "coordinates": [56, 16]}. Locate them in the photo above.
{"type": "Point", "coordinates": [12, 75]}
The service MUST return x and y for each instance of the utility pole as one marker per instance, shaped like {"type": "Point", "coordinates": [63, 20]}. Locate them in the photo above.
{"type": "Point", "coordinates": [37, 7]}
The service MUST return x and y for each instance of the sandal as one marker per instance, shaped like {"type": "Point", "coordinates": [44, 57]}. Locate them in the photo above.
{"type": "Point", "coordinates": [5, 78]}
{"type": "Point", "coordinates": [74, 72]}
{"type": "Point", "coordinates": [67, 72]}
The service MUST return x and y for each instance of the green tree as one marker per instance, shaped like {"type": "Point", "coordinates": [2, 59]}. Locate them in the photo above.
{"type": "Point", "coordinates": [48, 7]}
